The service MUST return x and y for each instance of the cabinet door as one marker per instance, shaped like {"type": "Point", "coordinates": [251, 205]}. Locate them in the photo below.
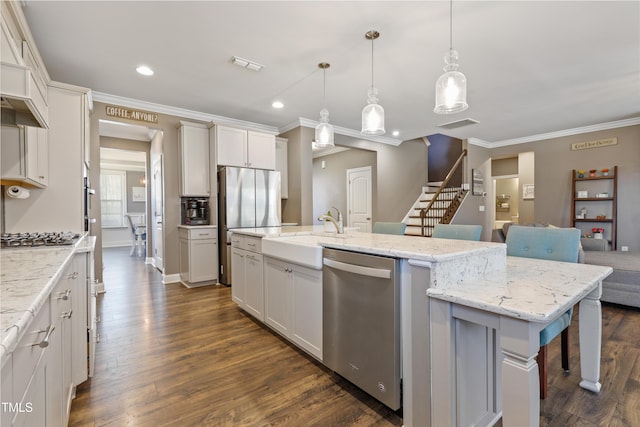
{"type": "Point", "coordinates": [231, 146]}
{"type": "Point", "coordinates": [194, 152]}
{"type": "Point", "coordinates": [282, 166]}
{"type": "Point", "coordinates": [307, 309]}
{"type": "Point", "coordinates": [184, 259]}
{"type": "Point", "coordinates": [37, 152]}
{"type": "Point", "coordinates": [202, 260]}
{"type": "Point", "coordinates": [277, 293]}
{"type": "Point", "coordinates": [261, 150]}
{"type": "Point", "coordinates": [79, 351]}
{"type": "Point", "coordinates": [238, 287]}
{"type": "Point", "coordinates": [254, 284]}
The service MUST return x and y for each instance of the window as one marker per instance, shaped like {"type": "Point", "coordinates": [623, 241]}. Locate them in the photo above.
{"type": "Point", "coordinates": [113, 197]}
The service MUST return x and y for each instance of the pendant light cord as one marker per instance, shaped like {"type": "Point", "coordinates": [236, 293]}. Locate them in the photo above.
{"type": "Point", "coordinates": [324, 88]}
{"type": "Point", "coordinates": [451, 25]}
{"type": "Point", "coordinates": [372, 62]}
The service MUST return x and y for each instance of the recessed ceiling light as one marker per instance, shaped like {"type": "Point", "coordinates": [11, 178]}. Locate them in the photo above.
{"type": "Point", "coordinates": [395, 133]}
{"type": "Point", "coordinates": [144, 70]}
{"type": "Point", "coordinates": [277, 104]}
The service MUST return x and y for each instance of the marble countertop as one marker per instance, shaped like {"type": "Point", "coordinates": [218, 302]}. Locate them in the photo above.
{"type": "Point", "coordinates": [529, 289]}
{"type": "Point", "coordinates": [191, 227]}
{"type": "Point", "coordinates": [27, 277]}
{"type": "Point", "coordinates": [284, 231]}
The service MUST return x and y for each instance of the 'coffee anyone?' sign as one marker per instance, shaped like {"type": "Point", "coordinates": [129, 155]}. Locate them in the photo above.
{"type": "Point", "coordinates": [137, 115]}
{"type": "Point", "coordinates": [594, 144]}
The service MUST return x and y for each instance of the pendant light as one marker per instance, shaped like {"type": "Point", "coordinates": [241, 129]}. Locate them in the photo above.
{"type": "Point", "coordinates": [324, 131]}
{"type": "Point", "coordinates": [451, 87]}
{"type": "Point", "coordinates": [372, 113]}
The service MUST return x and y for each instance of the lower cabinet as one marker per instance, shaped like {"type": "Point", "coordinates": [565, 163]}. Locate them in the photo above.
{"type": "Point", "coordinates": [293, 303]}
{"type": "Point", "coordinates": [39, 377]}
{"type": "Point", "coordinates": [247, 289]}
{"type": "Point", "coordinates": [198, 256]}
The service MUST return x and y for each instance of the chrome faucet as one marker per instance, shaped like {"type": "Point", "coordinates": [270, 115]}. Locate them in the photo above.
{"type": "Point", "coordinates": [337, 223]}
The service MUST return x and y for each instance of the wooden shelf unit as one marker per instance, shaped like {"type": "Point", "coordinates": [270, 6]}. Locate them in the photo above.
{"type": "Point", "coordinates": [587, 183]}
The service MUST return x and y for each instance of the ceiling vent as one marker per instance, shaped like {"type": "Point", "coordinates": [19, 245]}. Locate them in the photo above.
{"type": "Point", "coordinates": [245, 63]}
{"type": "Point", "coordinates": [458, 124]}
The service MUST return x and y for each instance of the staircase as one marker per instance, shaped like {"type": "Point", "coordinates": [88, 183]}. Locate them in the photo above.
{"type": "Point", "coordinates": [435, 207]}
{"type": "Point", "coordinates": [442, 210]}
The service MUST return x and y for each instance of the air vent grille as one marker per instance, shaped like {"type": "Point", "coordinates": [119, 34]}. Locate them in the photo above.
{"type": "Point", "coordinates": [458, 123]}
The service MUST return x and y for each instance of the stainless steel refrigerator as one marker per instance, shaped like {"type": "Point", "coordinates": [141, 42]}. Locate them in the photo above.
{"type": "Point", "coordinates": [247, 198]}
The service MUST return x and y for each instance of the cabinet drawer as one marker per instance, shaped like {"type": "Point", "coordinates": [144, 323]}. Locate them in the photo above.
{"type": "Point", "coordinates": [253, 244]}
{"type": "Point", "coordinates": [28, 352]}
{"type": "Point", "coordinates": [204, 233]}
{"type": "Point", "coordinates": [238, 241]}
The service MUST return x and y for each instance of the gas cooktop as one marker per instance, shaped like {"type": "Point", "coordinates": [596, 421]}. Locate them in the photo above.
{"type": "Point", "coordinates": [14, 240]}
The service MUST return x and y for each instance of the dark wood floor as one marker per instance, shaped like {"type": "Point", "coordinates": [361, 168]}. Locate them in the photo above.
{"type": "Point", "coordinates": [169, 355]}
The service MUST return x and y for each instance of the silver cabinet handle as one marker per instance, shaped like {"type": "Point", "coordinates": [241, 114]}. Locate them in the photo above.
{"type": "Point", "coordinates": [288, 270]}
{"type": "Point", "coordinates": [67, 315]}
{"type": "Point", "coordinates": [45, 341]}
{"type": "Point", "coordinates": [64, 295]}
{"type": "Point", "coordinates": [73, 276]}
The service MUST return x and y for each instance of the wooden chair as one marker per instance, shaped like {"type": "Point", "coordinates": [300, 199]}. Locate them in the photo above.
{"type": "Point", "coordinates": [389, 228]}
{"type": "Point", "coordinates": [457, 232]}
{"type": "Point", "coordinates": [553, 244]}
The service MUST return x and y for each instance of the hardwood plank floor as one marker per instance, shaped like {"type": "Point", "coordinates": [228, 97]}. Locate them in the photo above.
{"type": "Point", "coordinates": [169, 355]}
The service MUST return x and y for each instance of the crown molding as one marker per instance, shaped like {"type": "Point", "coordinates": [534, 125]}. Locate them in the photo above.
{"type": "Point", "coordinates": [181, 112]}
{"type": "Point", "coordinates": [479, 142]}
{"type": "Point", "coordinates": [568, 132]}
{"type": "Point", "coordinates": [308, 123]}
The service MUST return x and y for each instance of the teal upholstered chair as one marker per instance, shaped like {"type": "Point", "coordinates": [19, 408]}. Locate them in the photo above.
{"type": "Point", "coordinates": [457, 231]}
{"type": "Point", "coordinates": [554, 244]}
{"type": "Point", "coordinates": [389, 228]}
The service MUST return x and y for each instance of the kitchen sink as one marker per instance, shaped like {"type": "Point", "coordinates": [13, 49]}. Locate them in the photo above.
{"type": "Point", "coordinates": [302, 250]}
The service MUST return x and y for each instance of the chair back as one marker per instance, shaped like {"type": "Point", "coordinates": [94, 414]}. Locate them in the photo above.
{"type": "Point", "coordinates": [553, 244]}
{"type": "Point", "coordinates": [457, 232]}
{"type": "Point", "coordinates": [389, 228]}
{"type": "Point", "coordinates": [132, 226]}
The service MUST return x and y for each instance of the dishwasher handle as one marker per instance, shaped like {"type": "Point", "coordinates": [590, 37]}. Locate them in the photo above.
{"type": "Point", "coordinates": [381, 273]}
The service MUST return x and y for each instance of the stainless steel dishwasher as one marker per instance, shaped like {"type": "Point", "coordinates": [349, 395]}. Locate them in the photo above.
{"type": "Point", "coordinates": [361, 322]}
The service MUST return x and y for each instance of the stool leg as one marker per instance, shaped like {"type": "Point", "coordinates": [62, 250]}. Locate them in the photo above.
{"type": "Point", "coordinates": [542, 370]}
{"type": "Point", "coordinates": [564, 337]}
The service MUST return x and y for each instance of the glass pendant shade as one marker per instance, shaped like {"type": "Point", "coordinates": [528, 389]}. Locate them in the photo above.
{"type": "Point", "coordinates": [451, 87]}
{"type": "Point", "coordinates": [324, 132]}
{"type": "Point", "coordinates": [373, 115]}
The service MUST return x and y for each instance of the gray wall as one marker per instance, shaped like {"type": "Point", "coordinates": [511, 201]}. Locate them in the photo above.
{"type": "Point", "coordinates": [133, 180]}
{"type": "Point", "coordinates": [330, 183]}
{"type": "Point", "coordinates": [554, 161]}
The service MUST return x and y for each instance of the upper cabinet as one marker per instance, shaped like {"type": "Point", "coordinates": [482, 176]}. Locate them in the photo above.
{"type": "Point", "coordinates": [193, 140]}
{"type": "Point", "coordinates": [25, 155]}
{"type": "Point", "coordinates": [242, 148]}
{"type": "Point", "coordinates": [24, 78]}
{"type": "Point", "coordinates": [281, 166]}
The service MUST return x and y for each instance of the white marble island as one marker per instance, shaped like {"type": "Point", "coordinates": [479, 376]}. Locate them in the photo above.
{"type": "Point", "coordinates": [480, 278]}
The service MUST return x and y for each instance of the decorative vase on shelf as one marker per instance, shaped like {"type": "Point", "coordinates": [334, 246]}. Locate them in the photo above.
{"type": "Point", "coordinates": [597, 235]}
{"type": "Point", "coordinates": [605, 172]}
{"type": "Point", "coordinates": [592, 173]}
{"type": "Point", "coordinates": [580, 174]}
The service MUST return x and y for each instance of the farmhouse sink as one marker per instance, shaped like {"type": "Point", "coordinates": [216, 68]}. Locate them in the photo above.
{"type": "Point", "coordinates": [302, 250]}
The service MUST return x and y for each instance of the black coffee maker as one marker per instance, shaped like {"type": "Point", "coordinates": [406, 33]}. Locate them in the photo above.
{"type": "Point", "coordinates": [195, 211]}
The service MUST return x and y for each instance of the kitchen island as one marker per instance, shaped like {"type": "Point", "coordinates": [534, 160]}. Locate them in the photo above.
{"type": "Point", "coordinates": [478, 276]}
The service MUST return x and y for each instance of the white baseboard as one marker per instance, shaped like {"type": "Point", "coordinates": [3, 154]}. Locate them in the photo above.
{"type": "Point", "coordinates": [170, 278]}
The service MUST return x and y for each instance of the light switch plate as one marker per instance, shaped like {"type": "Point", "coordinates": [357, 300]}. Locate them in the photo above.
{"type": "Point", "coordinates": [481, 208]}
{"type": "Point", "coordinates": [624, 248]}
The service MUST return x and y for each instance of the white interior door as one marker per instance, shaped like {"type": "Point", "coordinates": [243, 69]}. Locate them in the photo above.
{"type": "Point", "coordinates": [158, 214]}
{"type": "Point", "coordinates": [359, 198]}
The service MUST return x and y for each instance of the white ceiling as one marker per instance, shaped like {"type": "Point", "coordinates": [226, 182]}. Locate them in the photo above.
{"type": "Point", "coordinates": [533, 67]}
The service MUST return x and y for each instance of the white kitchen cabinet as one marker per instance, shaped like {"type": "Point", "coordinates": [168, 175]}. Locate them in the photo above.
{"type": "Point", "coordinates": [193, 141]}
{"type": "Point", "coordinates": [77, 277]}
{"type": "Point", "coordinates": [247, 289]}
{"type": "Point", "coordinates": [25, 155]}
{"type": "Point", "coordinates": [239, 283]}
{"type": "Point", "coordinates": [278, 283]}
{"type": "Point", "coordinates": [198, 255]}
{"type": "Point", "coordinates": [293, 303]}
{"type": "Point", "coordinates": [282, 166]}
{"type": "Point", "coordinates": [242, 148]}
{"type": "Point", "coordinates": [254, 302]}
